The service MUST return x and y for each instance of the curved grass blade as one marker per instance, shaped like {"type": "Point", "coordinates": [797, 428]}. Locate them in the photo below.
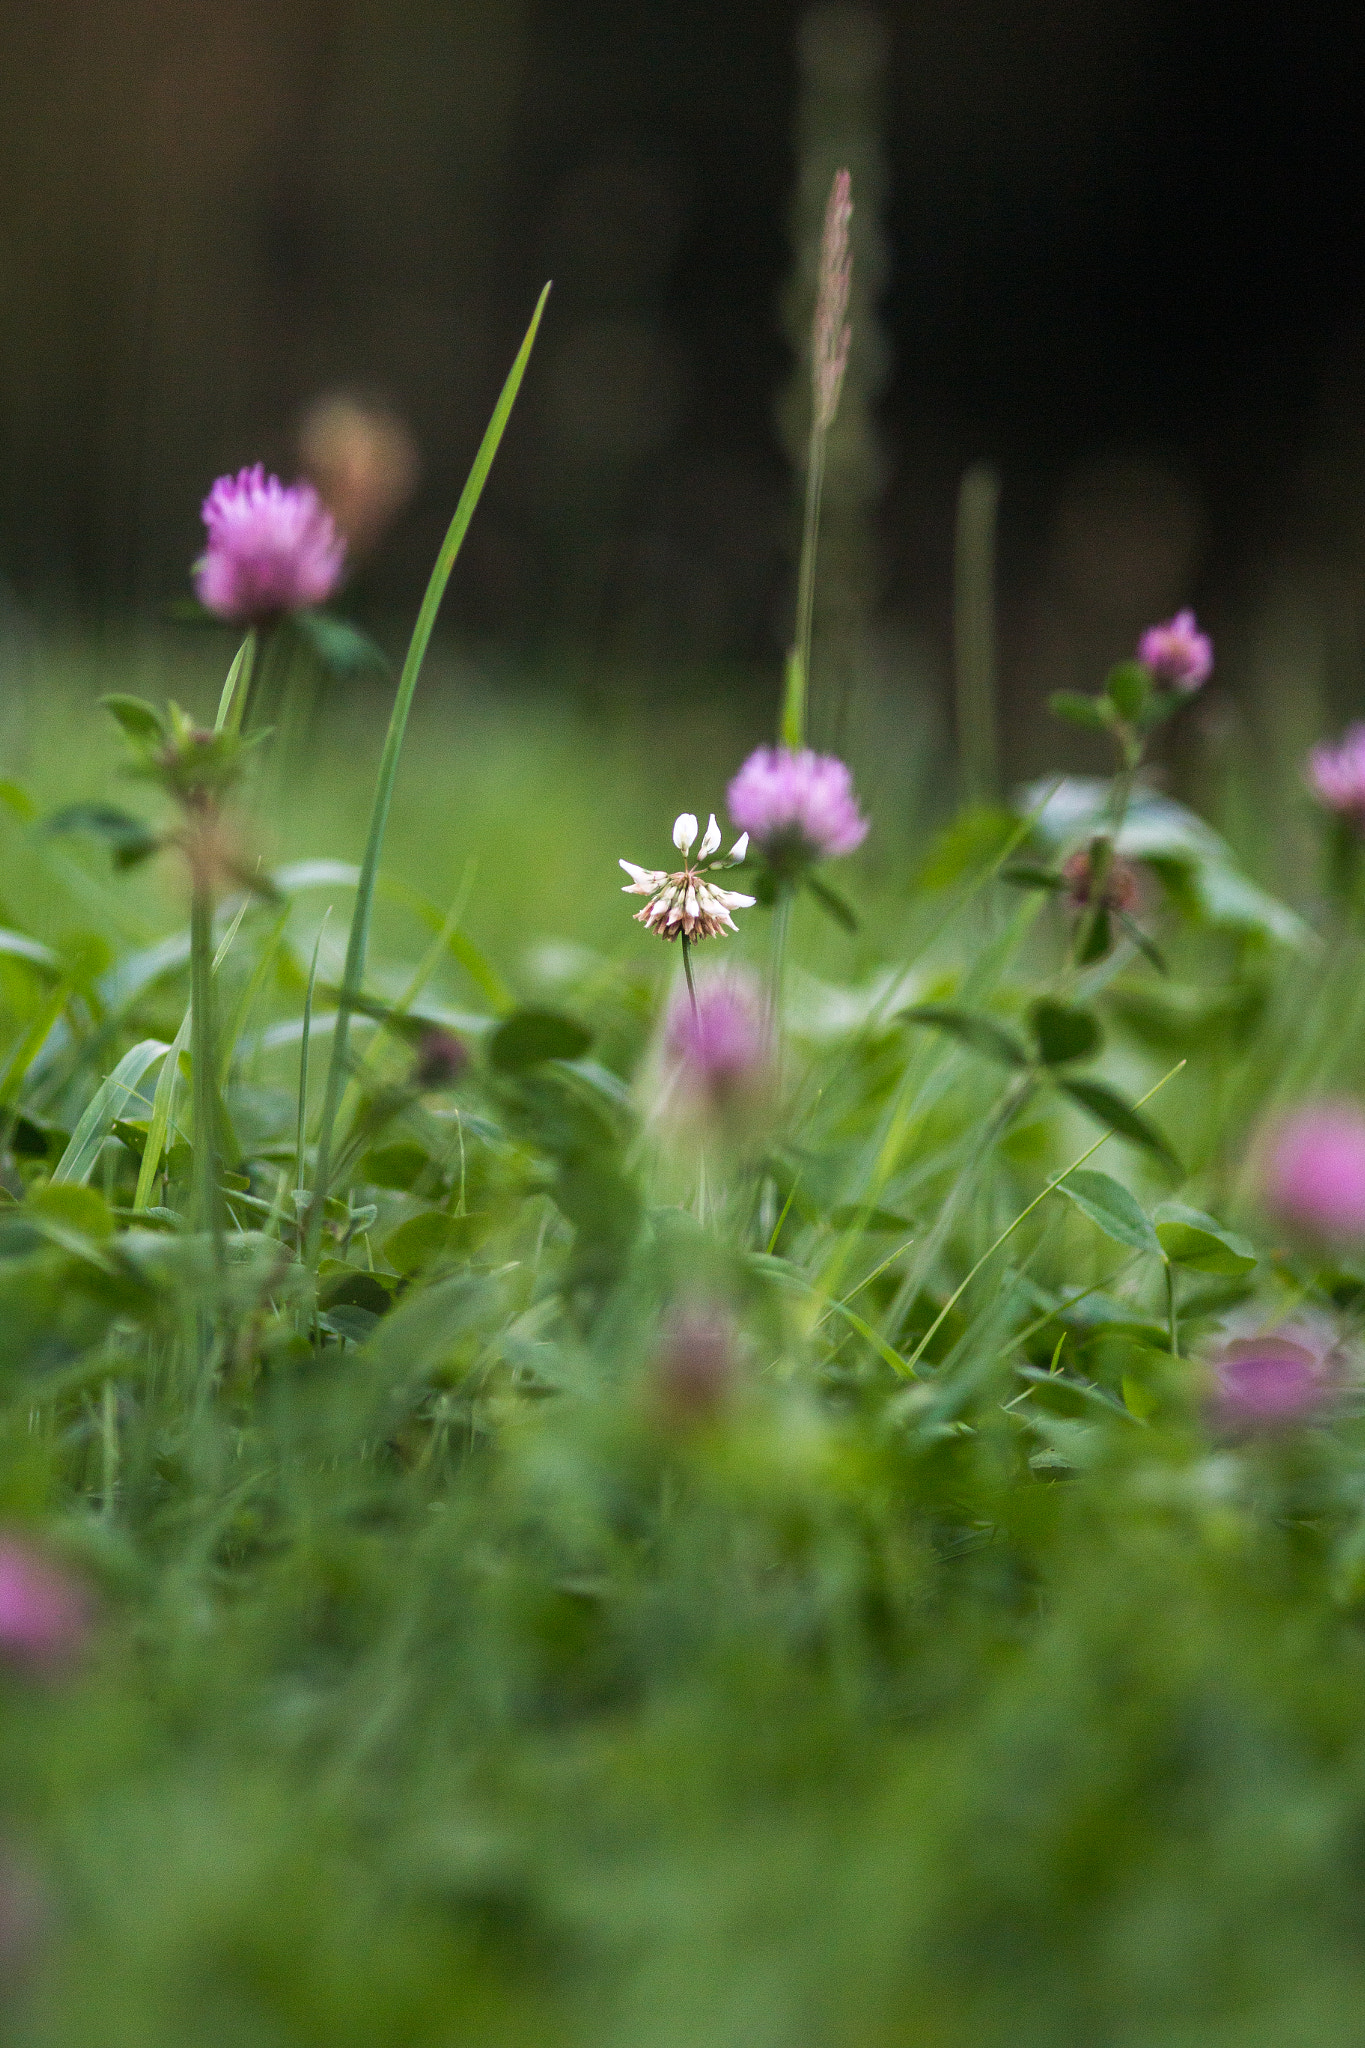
{"type": "Point", "coordinates": [106, 1106]}
{"type": "Point", "coordinates": [354, 974]}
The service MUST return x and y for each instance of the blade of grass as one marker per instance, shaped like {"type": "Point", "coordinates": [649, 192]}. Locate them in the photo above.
{"type": "Point", "coordinates": [955, 1297]}
{"type": "Point", "coordinates": [354, 973]}
{"type": "Point", "coordinates": [106, 1106]}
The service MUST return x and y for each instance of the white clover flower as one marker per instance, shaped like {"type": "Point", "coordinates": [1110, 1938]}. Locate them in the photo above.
{"type": "Point", "coordinates": [686, 905]}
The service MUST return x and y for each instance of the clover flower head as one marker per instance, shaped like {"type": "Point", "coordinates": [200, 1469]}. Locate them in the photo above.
{"type": "Point", "coordinates": [798, 807]}
{"type": "Point", "coordinates": [1276, 1378]}
{"type": "Point", "coordinates": [687, 904]}
{"type": "Point", "coordinates": [1337, 774]}
{"type": "Point", "coordinates": [1312, 1170]}
{"type": "Point", "coordinates": [44, 1613]}
{"type": "Point", "coordinates": [1176, 654]}
{"type": "Point", "coordinates": [271, 549]}
{"type": "Point", "coordinates": [718, 1048]}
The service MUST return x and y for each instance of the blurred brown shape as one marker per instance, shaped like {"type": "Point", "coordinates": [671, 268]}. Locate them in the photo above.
{"type": "Point", "coordinates": [364, 462]}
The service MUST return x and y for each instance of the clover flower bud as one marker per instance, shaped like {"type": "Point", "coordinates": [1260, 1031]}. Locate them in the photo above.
{"type": "Point", "coordinates": [1274, 1379]}
{"type": "Point", "coordinates": [44, 1612]}
{"type": "Point", "coordinates": [271, 549]}
{"type": "Point", "coordinates": [718, 1050]}
{"type": "Point", "coordinates": [1176, 654]}
{"type": "Point", "coordinates": [441, 1059]}
{"type": "Point", "coordinates": [797, 807]}
{"type": "Point", "coordinates": [693, 1370]}
{"type": "Point", "coordinates": [1312, 1170]}
{"type": "Point", "coordinates": [1337, 775]}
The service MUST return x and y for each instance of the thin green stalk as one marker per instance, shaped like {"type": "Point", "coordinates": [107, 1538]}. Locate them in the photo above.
{"type": "Point", "coordinates": [974, 633]}
{"type": "Point", "coordinates": [354, 972]}
{"type": "Point", "coordinates": [299, 1181]}
{"type": "Point", "coordinates": [206, 1207]}
{"type": "Point", "coordinates": [793, 733]}
{"type": "Point", "coordinates": [777, 961]}
{"type": "Point", "coordinates": [687, 970]}
{"type": "Point", "coordinates": [1171, 1317]}
{"type": "Point", "coordinates": [109, 1450]}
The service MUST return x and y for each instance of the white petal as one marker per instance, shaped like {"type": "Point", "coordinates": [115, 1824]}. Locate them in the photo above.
{"type": "Point", "coordinates": [684, 831]}
{"type": "Point", "coordinates": [732, 899]}
{"type": "Point", "coordinates": [711, 840]}
{"type": "Point", "coordinates": [641, 878]}
{"type": "Point", "coordinates": [740, 847]}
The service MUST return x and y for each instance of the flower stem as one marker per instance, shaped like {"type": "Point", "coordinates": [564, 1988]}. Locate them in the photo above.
{"type": "Point", "coordinates": [204, 1182]}
{"type": "Point", "coordinates": [354, 972]}
{"type": "Point", "coordinates": [782, 917]}
{"type": "Point", "coordinates": [793, 733]}
{"type": "Point", "coordinates": [687, 970]}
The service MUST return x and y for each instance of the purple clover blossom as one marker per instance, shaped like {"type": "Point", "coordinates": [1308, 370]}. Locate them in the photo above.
{"type": "Point", "coordinates": [271, 549]}
{"type": "Point", "coordinates": [796, 807]}
{"type": "Point", "coordinates": [1176, 654]}
{"type": "Point", "coordinates": [1313, 1170]}
{"type": "Point", "coordinates": [719, 1048]}
{"type": "Point", "coordinates": [1337, 775]}
{"type": "Point", "coordinates": [1275, 1379]}
{"type": "Point", "coordinates": [44, 1613]}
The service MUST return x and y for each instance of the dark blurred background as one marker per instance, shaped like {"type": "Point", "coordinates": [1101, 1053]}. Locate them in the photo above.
{"type": "Point", "coordinates": [1113, 247]}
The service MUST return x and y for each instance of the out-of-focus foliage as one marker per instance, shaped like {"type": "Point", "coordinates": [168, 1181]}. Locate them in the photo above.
{"type": "Point", "coordinates": [913, 1659]}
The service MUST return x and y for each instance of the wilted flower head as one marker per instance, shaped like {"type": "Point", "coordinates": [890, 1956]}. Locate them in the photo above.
{"type": "Point", "coordinates": [832, 334]}
{"type": "Point", "coordinates": [1177, 654]}
{"type": "Point", "coordinates": [363, 459]}
{"type": "Point", "coordinates": [1338, 774]}
{"type": "Point", "coordinates": [797, 807]}
{"type": "Point", "coordinates": [694, 1364]}
{"type": "Point", "coordinates": [44, 1612]}
{"type": "Point", "coordinates": [271, 549]}
{"type": "Point", "coordinates": [1312, 1169]}
{"type": "Point", "coordinates": [441, 1058]}
{"type": "Point", "coordinates": [1276, 1378]}
{"type": "Point", "coordinates": [1118, 892]}
{"type": "Point", "coordinates": [718, 1049]}
{"type": "Point", "coordinates": [685, 905]}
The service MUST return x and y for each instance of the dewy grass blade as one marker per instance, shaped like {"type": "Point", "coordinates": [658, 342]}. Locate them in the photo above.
{"type": "Point", "coordinates": [388, 769]}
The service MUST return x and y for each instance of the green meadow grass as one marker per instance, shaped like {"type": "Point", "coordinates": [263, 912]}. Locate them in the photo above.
{"type": "Point", "coordinates": [946, 1676]}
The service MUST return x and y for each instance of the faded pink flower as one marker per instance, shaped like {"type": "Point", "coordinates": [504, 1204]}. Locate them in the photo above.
{"type": "Point", "coordinates": [44, 1612]}
{"type": "Point", "coordinates": [1276, 1378]}
{"type": "Point", "coordinates": [832, 334]}
{"type": "Point", "coordinates": [271, 549]}
{"type": "Point", "coordinates": [797, 807]}
{"type": "Point", "coordinates": [1337, 775]}
{"type": "Point", "coordinates": [1177, 654]}
{"type": "Point", "coordinates": [719, 1050]}
{"type": "Point", "coordinates": [694, 1366]}
{"type": "Point", "coordinates": [1313, 1169]}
